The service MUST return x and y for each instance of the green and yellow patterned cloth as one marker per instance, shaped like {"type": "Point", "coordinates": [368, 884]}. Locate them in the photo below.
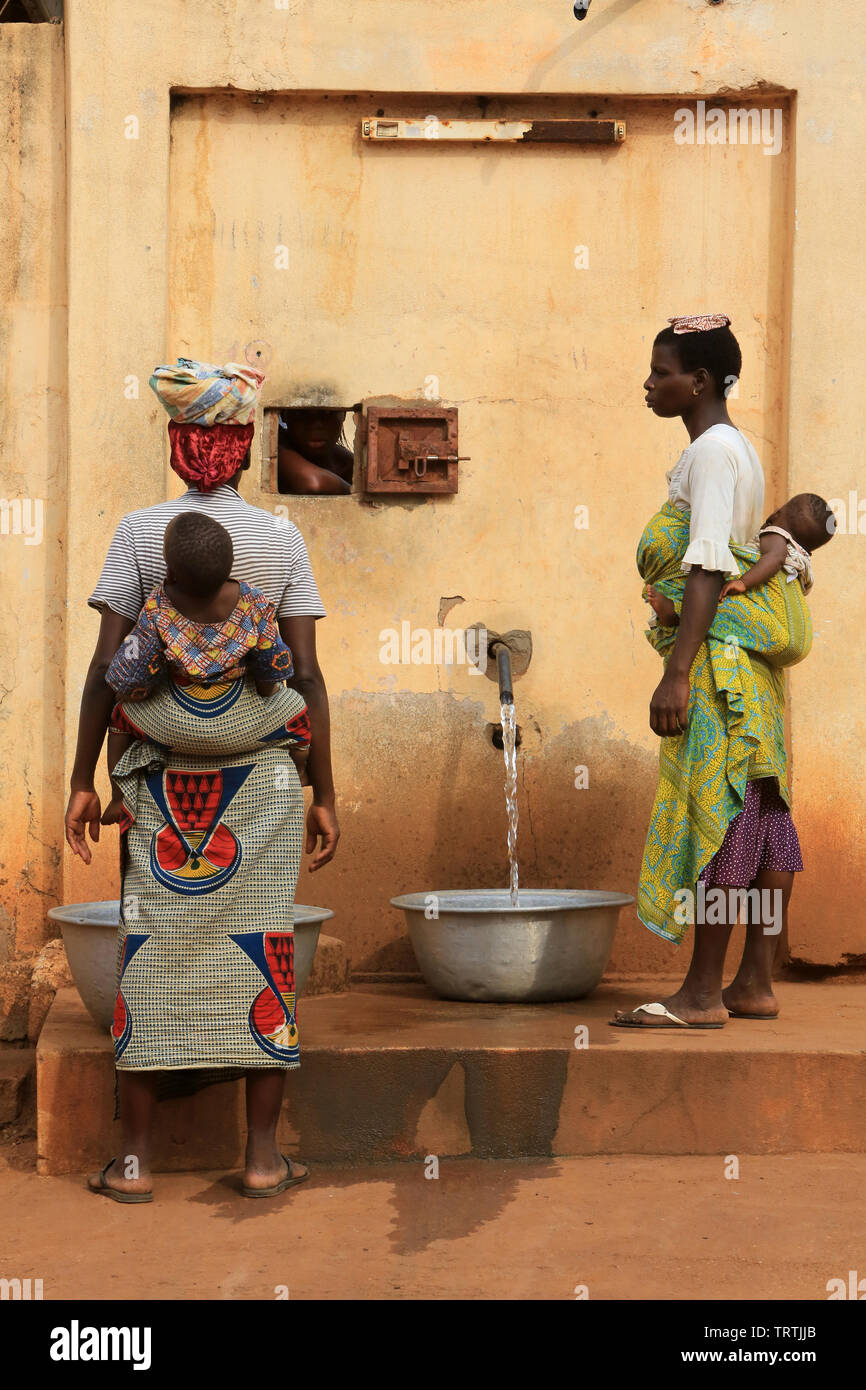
{"type": "Point", "coordinates": [736, 729]}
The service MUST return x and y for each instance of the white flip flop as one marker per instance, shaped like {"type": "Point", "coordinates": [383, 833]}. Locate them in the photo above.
{"type": "Point", "coordinates": [657, 1010]}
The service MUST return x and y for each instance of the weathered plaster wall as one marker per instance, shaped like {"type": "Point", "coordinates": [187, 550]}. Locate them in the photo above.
{"type": "Point", "coordinates": [455, 267]}
{"type": "Point", "coordinates": [419, 785]}
{"type": "Point", "coordinates": [32, 478]}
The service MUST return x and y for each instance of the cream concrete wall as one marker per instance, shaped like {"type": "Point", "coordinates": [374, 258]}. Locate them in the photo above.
{"type": "Point", "coordinates": [421, 804]}
{"type": "Point", "coordinates": [32, 478]}
{"type": "Point", "coordinates": [455, 268]}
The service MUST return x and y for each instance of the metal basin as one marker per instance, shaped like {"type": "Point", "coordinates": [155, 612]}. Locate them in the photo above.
{"type": "Point", "coordinates": [554, 946]}
{"type": "Point", "coordinates": [90, 939]}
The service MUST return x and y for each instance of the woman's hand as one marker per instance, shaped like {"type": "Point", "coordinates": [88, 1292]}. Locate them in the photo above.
{"type": "Point", "coordinates": [97, 701]}
{"type": "Point", "coordinates": [321, 821]}
{"type": "Point", "coordinates": [669, 707]}
{"type": "Point", "coordinates": [114, 811]}
{"type": "Point", "coordinates": [83, 809]}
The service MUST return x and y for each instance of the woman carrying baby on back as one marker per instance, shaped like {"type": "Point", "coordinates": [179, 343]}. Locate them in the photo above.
{"type": "Point", "coordinates": [726, 627]}
{"type": "Point", "coordinates": [192, 597]}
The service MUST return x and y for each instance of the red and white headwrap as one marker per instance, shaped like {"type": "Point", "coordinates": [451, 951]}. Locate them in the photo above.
{"type": "Point", "coordinates": [698, 323]}
{"type": "Point", "coordinates": [206, 456]}
{"type": "Point", "coordinates": [212, 411]}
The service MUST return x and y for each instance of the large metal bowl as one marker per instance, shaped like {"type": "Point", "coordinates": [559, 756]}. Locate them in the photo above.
{"type": "Point", "coordinates": [555, 945]}
{"type": "Point", "coordinates": [90, 939]}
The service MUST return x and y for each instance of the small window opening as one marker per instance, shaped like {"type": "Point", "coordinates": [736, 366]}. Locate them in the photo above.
{"type": "Point", "coordinates": [310, 450]}
{"type": "Point", "coordinates": [31, 11]}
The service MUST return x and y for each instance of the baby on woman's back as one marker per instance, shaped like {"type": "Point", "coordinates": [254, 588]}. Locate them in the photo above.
{"type": "Point", "coordinates": [199, 626]}
{"type": "Point", "coordinates": [786, 541]}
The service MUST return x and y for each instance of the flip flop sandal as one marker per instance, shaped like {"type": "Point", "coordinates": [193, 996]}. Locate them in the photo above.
{"type": "Point", "coordinates": [763, 1018]}
{"type": "Point", "coordinates": [288, 1181]}
{"type": "Point", "coordinates": [657, 1010]}
{"type": "Point", "coordinates": [130, 1198]}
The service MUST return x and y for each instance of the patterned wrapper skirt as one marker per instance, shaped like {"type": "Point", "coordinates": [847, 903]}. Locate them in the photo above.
{"type": "Point", "coordinates": [210, 857]}
{"type": "Point", "coordinates": [735, 735]}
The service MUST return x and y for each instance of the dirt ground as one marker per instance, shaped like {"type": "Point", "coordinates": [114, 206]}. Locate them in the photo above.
{"type": "Point", "coordinates": [622, 1228]}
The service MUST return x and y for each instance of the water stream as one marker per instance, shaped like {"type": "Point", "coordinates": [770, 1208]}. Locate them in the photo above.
{"type": "Point", "coordinates": [509, 735]}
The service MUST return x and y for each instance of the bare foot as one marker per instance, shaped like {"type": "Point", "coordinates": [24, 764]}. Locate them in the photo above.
{"type": "Point", "coordinates": [662, 606]}
{"type": "Point", "coordinates": [686, 1007]}
{"type": "Point", "coordinates": [761, 1002]}
{"type": "Point", "coordinates": [114, 1178]}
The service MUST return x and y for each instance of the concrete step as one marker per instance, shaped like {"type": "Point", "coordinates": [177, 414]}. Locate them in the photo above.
{"type": "Point", "coordinates": [390, 1071]}
{"type": "Point", "coordinates": [329, 973]}
{"type": "Point", "coordinates": [17, 1065]}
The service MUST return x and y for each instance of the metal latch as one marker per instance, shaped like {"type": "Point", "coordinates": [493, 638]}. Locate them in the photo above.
{"type": "Point", "coordinates": [409, 451]}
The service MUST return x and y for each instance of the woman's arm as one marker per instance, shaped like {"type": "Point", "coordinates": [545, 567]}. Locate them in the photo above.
{"type": "Point", "coordinates": [299, 634]}
{"type": "Point", "coordinates": [711, 482]}
{"type": "Point", "coordinates": [97, 701]}
{"type": "Point", "coordinates": [669, 707]}
{"type": "Point", "coordinates": [116, 745]}
{"type": "Point", "coordinates": [296, 474]}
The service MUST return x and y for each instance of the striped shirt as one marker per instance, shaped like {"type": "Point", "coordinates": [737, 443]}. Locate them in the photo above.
{"type": "Point", "coordinates": [269, 554]}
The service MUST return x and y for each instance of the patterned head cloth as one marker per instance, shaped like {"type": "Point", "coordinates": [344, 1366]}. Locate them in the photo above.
{"type": "Point", "coordinates": [698, 323]}
{"type": "Point", "coordinates": [212, 411]}
{"type": "Point", "coordinates": [195, 393]}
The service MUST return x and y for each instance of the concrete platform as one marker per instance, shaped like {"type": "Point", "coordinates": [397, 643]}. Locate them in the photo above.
{"type": "Point", "coordinates": [390, 1071]}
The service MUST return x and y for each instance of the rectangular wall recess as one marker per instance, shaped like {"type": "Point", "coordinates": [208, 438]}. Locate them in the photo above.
{"type": "Point", "coordinates": [431, 129]}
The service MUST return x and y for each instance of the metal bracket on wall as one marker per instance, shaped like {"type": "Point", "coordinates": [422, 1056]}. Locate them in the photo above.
{"type": "Point", "coordinates": [432, 129]}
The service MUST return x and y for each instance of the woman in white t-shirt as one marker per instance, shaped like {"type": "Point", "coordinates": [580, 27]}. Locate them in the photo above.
{"type": "Point", "coordinates": [721, 838]}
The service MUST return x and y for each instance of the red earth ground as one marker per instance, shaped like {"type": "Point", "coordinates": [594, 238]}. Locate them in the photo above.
{"type": "Point", "coordinates": [625, 1227]}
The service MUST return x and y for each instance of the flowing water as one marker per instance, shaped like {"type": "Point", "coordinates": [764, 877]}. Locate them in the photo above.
{"type": "Point", "coordinates": [509, 735]}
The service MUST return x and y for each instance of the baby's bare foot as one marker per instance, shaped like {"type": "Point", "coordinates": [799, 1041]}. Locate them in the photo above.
{"type": "Point", "coordinates": [662, 606]}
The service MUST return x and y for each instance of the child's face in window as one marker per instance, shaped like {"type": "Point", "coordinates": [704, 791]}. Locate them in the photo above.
{"type": "Point", "coordinates": [313, 431]}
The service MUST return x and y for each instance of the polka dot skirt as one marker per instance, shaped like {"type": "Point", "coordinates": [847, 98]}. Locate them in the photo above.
{"type": "Point", "coordinates": [762, 836]}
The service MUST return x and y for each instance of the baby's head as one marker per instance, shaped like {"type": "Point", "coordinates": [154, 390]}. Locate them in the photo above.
{"type": "Point", "coordinates": [198, 554]}
{"type": "Point", "coordinates": [808, 519]}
